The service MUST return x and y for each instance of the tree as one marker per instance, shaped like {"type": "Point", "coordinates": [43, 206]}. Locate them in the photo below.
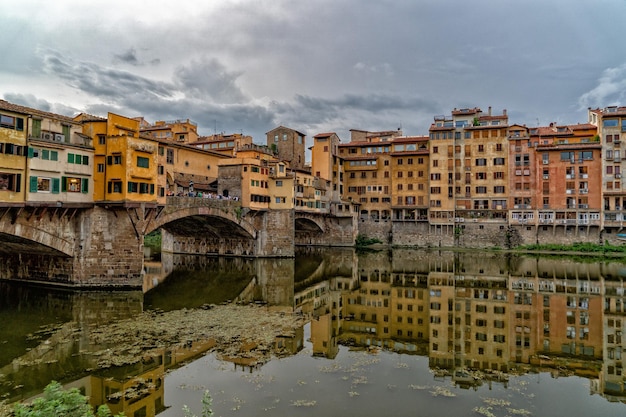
{"type": "Point", "coordinates": [59, 402]}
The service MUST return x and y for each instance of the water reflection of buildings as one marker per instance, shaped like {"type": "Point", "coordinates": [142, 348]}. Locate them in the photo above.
{"type": "Point", "coordinates": [489, 313]}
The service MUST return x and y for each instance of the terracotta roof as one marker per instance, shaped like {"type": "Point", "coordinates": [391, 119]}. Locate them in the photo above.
{"type": "Point", "coordinates": [410, 139]}
{"type": "Point", "coordinates": [16, 108]}
{"type": "Point", "coordinates": [324, 135]}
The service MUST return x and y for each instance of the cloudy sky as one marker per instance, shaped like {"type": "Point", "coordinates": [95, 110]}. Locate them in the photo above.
{"type": "Point", "coordinates": [247, 66]}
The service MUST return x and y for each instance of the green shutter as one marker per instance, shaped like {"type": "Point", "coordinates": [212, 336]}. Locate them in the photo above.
{"type": "Point", "coordinates": [85, 160]}
{"type": "Point", "coordinates": [85, 185]}
{"type": "Point", "coordinates": [130, 187]}
{"type": "Point", "coordinates": [55, 186]}
{"type": "Point", "coordinates": [54, 155]}
{"type": "Point", "coordinates": [33, 184]}
{"type": "Point", "coordinates": [36, 129]}
{"type": "Point", "coordinates": [31, 152]}
{"type": "Point", "coordinates": [18, 183]}
{"type": "Point", "coordinates": [151, 188]}
{"type": "Point", "coordinates": [109, 160]}
{"type": "Point", "coordinates": [45, 154]}
{"type": "Point", "coordinates": [70, 158]}
{"type": "Point", "coordinates": [64, 184]}
{"type": "Point", "coordinates": [66, 133]}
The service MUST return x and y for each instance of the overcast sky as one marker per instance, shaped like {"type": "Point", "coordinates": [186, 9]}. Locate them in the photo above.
{"type": "Point", "coordinates": [247, 66]}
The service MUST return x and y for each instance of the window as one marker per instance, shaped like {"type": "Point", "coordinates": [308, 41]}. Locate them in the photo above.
{"type": "Point", "coordinates": [74, 185]}
{"type": "Point", "coordinates": [114, 187]}
{"type": "Point", "coordinates": [10, 182]}
{"type": "Point", "coordinates": [44, 185]}
{"type": "Point", "coordinates": [169, 158]}
{"type": "Point", "coordinates": [102, 141]}
{"type": "Point", "coordinates": [481, 162]}
{"type": "Point", "coordinates": [114, 160]}
{"type": "Point", "coordinates": [100, 167]}
{"type": "Point", "coordinates": [143, 162]}
{"type": "Point", "coordinates": [10, 122]}
{"type": "Point", "coordinates": [498, 161]}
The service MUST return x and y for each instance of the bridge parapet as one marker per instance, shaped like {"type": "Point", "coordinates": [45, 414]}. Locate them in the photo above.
{"type": "Point", "coordinates": [177, 203]}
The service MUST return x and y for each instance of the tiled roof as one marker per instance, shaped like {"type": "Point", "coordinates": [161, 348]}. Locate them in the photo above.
{"type": "Point", "coordinates": [16, 108]}
{"type": "Point", "coordinates": [324, 135]}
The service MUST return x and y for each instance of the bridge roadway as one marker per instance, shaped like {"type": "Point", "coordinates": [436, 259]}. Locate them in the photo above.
{"type": "Point", "coordinates": [101, 245]}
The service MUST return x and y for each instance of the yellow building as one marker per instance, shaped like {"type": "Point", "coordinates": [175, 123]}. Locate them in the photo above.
{"type": "Point", "coordinates": [179, 131]}
{"type": "Point", "coordinates": [223, 143]}
{"type": "Point", "coordinates": [126, 161]}
{"type": "Point", "coordinates": [328, 164]}
{"type": "Point", "coordinates": [183, 168]}
{"type": "Point", "coordinates": [409, 174]}
{"type": "Point", "coordinates": [469, 166]}
{"type": "Point", "coordinates": [13, 132]}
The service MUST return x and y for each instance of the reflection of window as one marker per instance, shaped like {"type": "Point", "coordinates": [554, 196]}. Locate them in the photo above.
{"type": "Point", "coordinates": [10, 122]}
{"type": "Point", "coordinates": [73, 185]}
{"type": "Point", "coordinates": [43, 185]}
{"type": "Point", "coordinates": [10, 182]}
{"type": "Point", "coordinates": [114, 187]}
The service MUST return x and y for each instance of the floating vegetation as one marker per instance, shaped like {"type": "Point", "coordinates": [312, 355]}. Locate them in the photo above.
{"type": "Point", "coordinates": [496, 402]}
{"type": "Point", "coordinates": [419, 387]}
{"type": "Point", "coordinates": [443, 392]}
{"type": "Point", "coordinates": [359, 380]}
{"type": "Point", "coordinates": [519, 411]}
{"type": "Point", "coordinates": [303, 403]}
{"type": "Point", "coordinates": [485, 411]}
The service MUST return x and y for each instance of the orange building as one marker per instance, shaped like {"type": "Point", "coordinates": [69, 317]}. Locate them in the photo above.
{"type": "Point", "coordinates": [469, 160]}
{"type": "Point", "coordinates": [611, 124]}
{"type": "Point", "coordinates": [223, 143]}
{"type": "Point", "coordinates": [568, 161]}
{"type": "Point", "coordinates": [180, 131]}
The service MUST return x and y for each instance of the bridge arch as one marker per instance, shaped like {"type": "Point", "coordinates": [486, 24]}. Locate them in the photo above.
{"type": "Point", "coordinates": [308, 225]}
{"type": "Point", "coordinates": [214, 220]}
{"type": "Point", "coordinates": [21, 236]}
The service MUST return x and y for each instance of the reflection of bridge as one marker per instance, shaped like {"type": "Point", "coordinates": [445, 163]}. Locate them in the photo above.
{"type": "Point", "coordinates": [102, 245]}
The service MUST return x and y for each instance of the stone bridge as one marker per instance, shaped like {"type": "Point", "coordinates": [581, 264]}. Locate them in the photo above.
{"type": "Point", "coordinates": [102, 245]}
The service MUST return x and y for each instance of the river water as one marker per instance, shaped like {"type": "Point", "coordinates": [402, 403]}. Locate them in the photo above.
{"type": "Point", "coordinates": [409, 332]}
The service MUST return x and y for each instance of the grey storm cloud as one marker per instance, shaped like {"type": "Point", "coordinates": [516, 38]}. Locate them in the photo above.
{"type": "Point", "coordinates": [328, 65]}
{"type": "Point", "coordinates": [101, 81]}
{"type": "Point", "coordinates": [209, 79]}
{"type": "Point", "coordinates": [128, 57]}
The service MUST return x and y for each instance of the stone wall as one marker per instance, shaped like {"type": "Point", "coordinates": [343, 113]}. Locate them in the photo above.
{"type": "Point", "coordinates": [275, 233]}
{"type": "Point", "coordinates": [376, 229]}
{"type": "Point", "coordinates": [90, 247]}
{"type": "Point", "coordinates": [109, 250]}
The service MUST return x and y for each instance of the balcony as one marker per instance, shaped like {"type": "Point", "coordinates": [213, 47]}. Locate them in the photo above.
{"type": "Point", "coordinates": [583, 176]}
{"type": "Point", "coordinates": [583, 206]}
{"type": "Point", "coordinates": [583, 191]}
{"type": "Point", "coordinates": [569, 191]}
{"type": "Point", "coordinates": [618, 176]}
